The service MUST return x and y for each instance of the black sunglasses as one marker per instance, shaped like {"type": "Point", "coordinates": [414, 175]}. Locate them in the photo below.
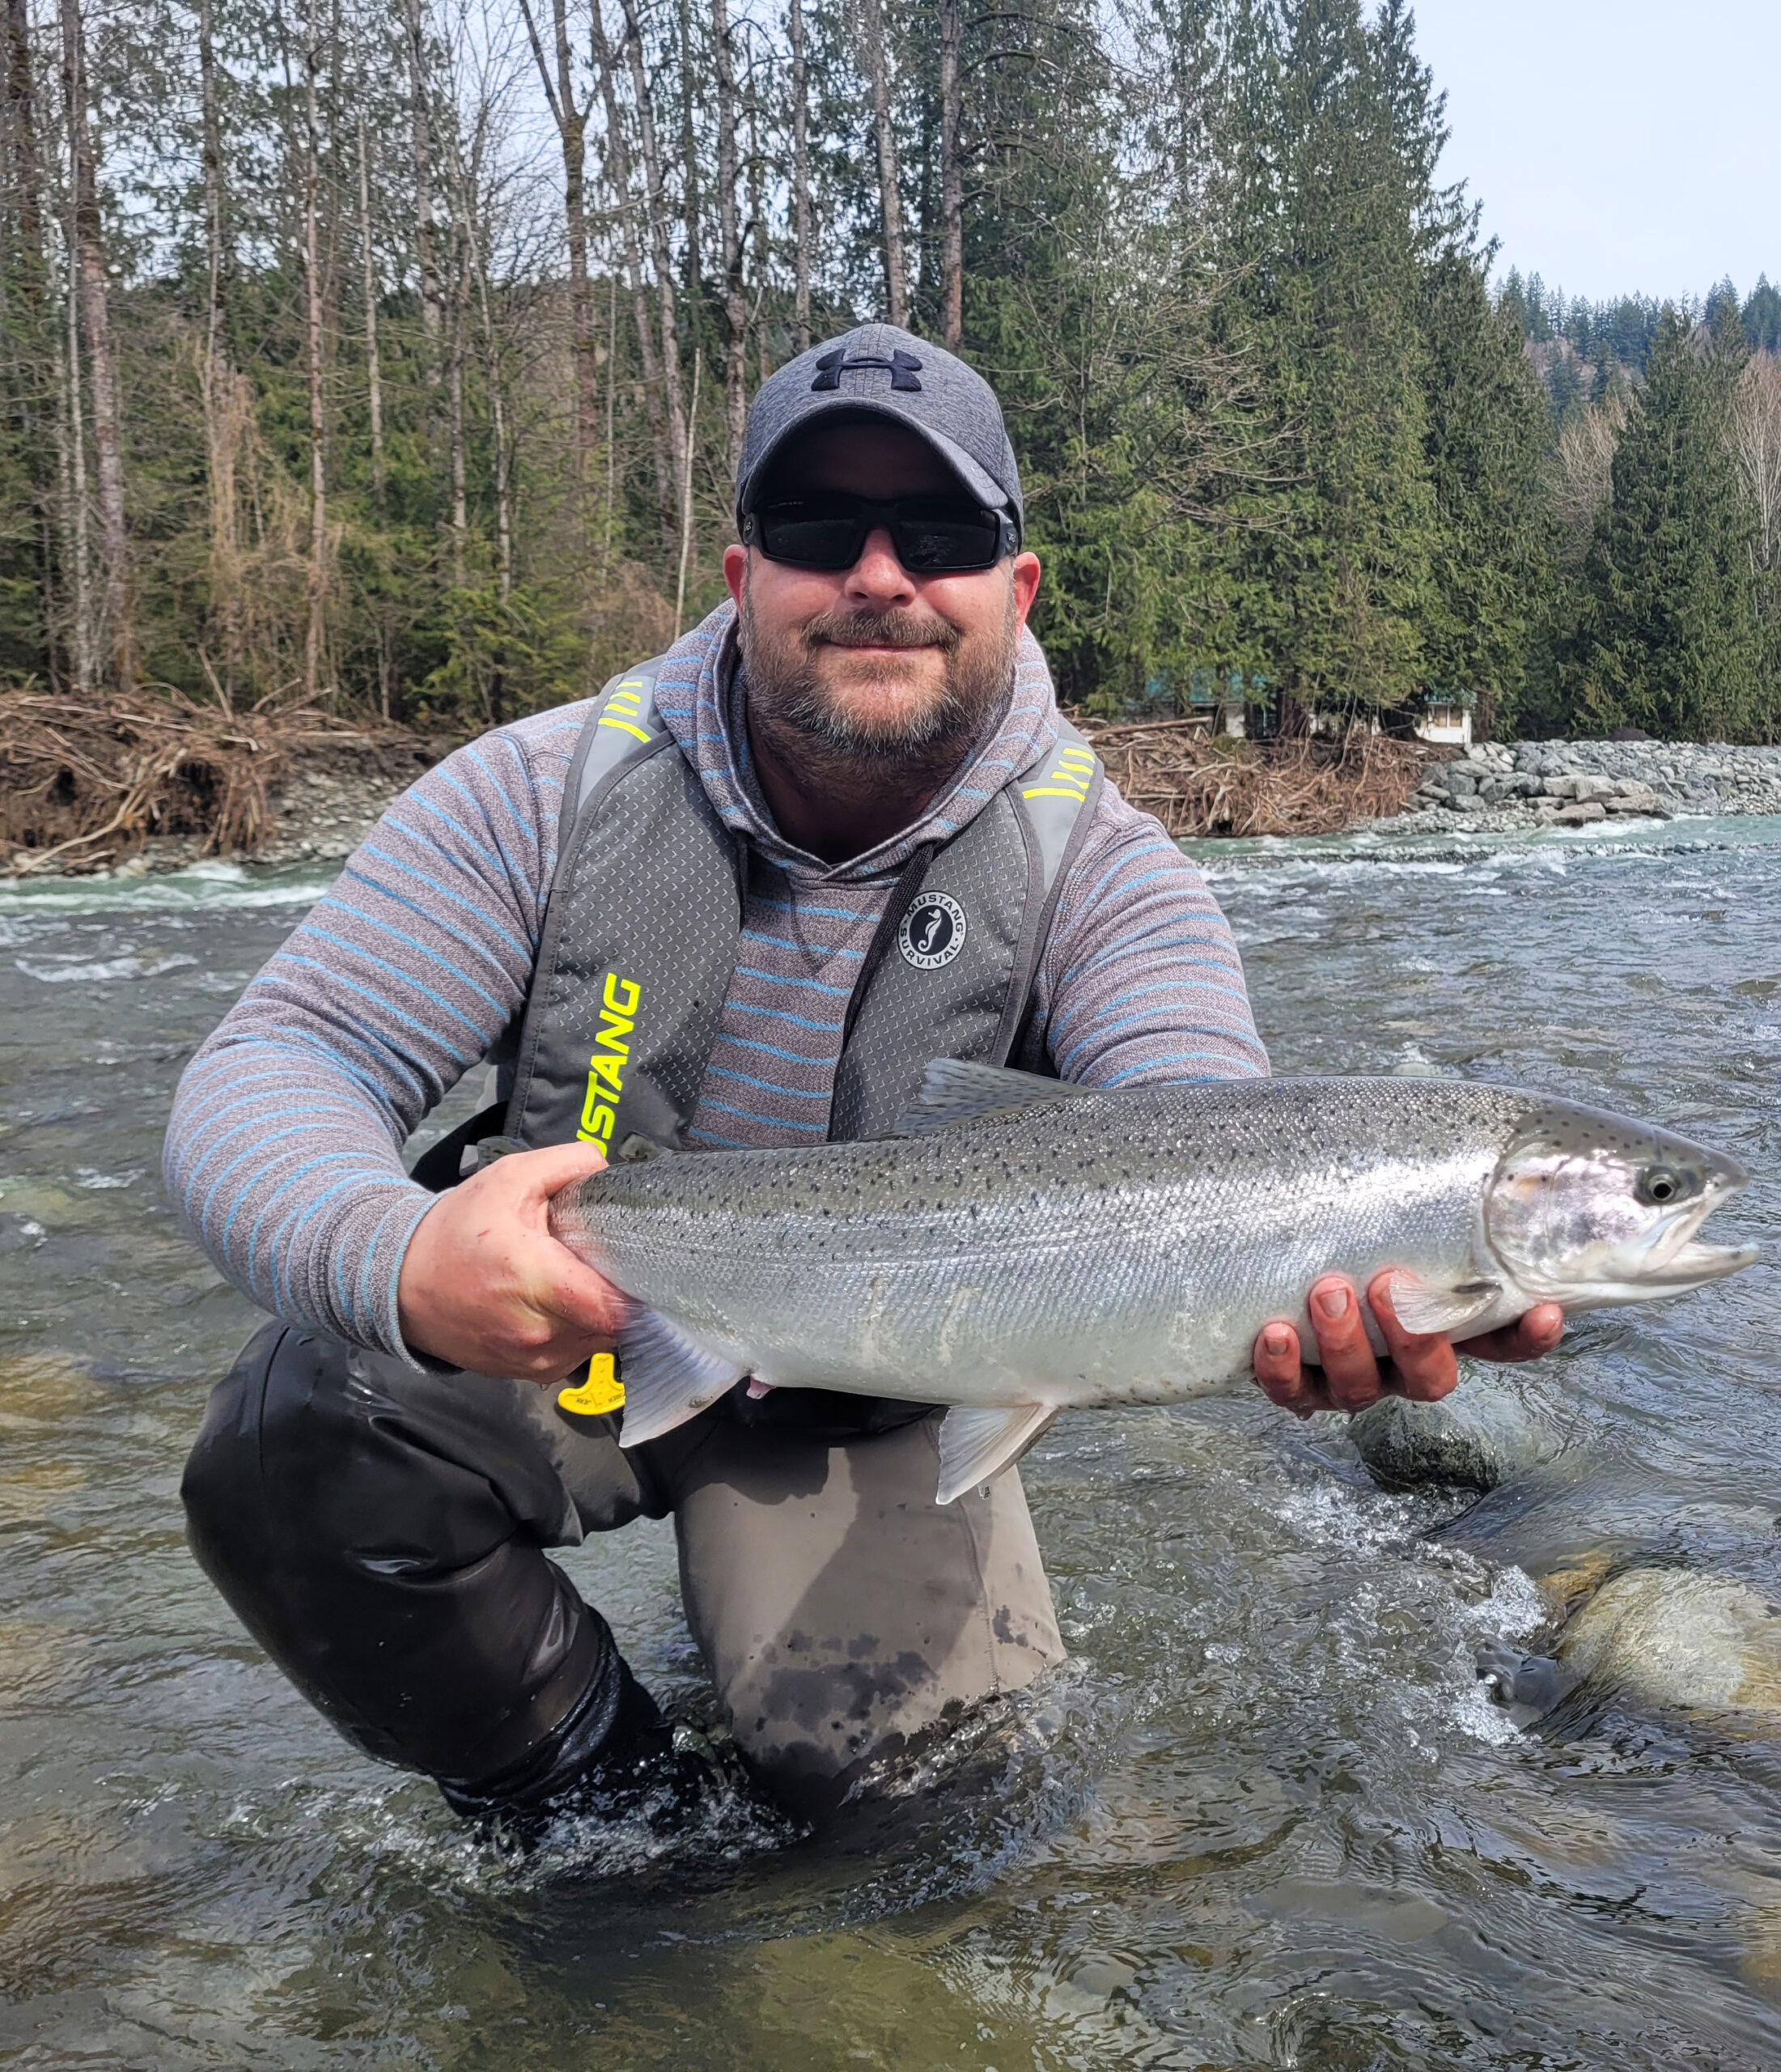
{"type": "Point", "coordinates": [933, 535]}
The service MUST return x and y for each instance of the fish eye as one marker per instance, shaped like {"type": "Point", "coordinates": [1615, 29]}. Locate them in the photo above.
{"type": "Point", "coordinates": [1660, 1184]}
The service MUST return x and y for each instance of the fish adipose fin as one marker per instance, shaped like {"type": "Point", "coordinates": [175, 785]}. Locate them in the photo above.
{"type": "Point", "coordinates": [976, 1444]}
{"type": "Point", "coordinates": [953, 1091]}
{"type": "Point", "coordinates": [1423, 1307]}
{"type": "Point", "coordinates": [667, 1378]}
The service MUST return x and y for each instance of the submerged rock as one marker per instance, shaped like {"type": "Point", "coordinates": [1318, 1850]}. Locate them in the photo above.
{"type": "Point", "coordinates": [1671, 1638]}
{"type": "Point", "coordinates": [1675, 1637]}
{"type": "Point", "coordinates": [1476, 1437]}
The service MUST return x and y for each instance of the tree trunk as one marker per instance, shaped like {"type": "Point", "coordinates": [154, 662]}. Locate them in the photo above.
{"type": "Point", "coordinates": [108, 450]}
{"type": "Point", "coordinates": [757, 216]}
{"type": "Point", "coordinates": [24, 309]}
{"type": "Point", "coordinates": [460, 509]}
{"type": "Point", "coordinates": [316, 601]}
{"type": "Point", "coordinates": [612, 412]}
{"type": "Point", "coordinates": [571, 123]}
{"type": "Point", "coordinates": [374, 364]}
{"type": "Point", "coordinates": [876, 65]}
{"type": "Point", "coordinates": [661, 260]}
{"type": "Point", "coordinates": [800, 179]}
{"type": "Point", "coordinates": [22, 129]}
{"type": "Point", "coordinates": [952, 185]}
{"type": "Point", "coordinates": [618, 177]}
{"type": "Point", "coordinates": [222, 389]}
{"type": "Point", "coordinates": [426, 231]}
{"type": "Point", "coordinates": [686, 512]}
{"type": "Point", "coordinates": [81, 632]}
{"type": "Point", "coordinates": [477, 269]}
{"type": "Point", "coordinates": [735, 306]}
{"type": "Point", "coordinates": [690, 211]}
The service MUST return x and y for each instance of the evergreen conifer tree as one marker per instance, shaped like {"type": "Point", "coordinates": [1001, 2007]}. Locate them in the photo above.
{"type": "Point", "coordinates": [1762, 317]}
{"type": "Point", "coordinates": [1487, 423]}
{"type": "Point", "coordinates": [1328, 218]}
{"type": "Point", "coordinates": [1670, 638]}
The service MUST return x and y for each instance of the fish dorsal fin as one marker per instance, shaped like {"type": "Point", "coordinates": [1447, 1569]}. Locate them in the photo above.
{"type": "Point", "coordinates": [976, 1444]}
{"type": "Point", "coordinates": [954, 1091]}
{"type": "Point", "coordinates": [667, 1377]}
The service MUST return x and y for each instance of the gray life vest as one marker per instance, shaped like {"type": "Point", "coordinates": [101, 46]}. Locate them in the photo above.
{"type": "Point", "coordinates": [644, 918]}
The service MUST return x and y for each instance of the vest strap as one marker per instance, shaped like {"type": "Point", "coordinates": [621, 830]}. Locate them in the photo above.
{"type": "Point", "coordinates": [624, 720]}
{"type": "Point", "coordinates": [905, 889]}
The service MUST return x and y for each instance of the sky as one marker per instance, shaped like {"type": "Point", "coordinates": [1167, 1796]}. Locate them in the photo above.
{"type": "Point", "coordinates": [1619, 147]}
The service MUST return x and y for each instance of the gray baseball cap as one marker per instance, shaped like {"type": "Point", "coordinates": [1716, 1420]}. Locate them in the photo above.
{"type": "Point", "coordinates": [879, 371]}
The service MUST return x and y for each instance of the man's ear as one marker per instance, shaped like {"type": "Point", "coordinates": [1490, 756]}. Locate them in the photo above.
{"type": "Point", "coordinates": [735, 572]}
{"type": "Point", "coordinates": [1024, 574]}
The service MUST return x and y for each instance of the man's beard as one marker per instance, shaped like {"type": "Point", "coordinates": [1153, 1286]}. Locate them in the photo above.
{"type": "Point", "coordinates": [786, 691]}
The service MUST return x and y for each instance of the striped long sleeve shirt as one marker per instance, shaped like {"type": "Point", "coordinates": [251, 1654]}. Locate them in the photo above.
{"type": "Point", "coordinates": [283, 1153]}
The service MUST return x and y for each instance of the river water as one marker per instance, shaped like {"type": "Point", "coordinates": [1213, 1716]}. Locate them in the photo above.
{"type": "Point", "coordinates": [1264, 1817]}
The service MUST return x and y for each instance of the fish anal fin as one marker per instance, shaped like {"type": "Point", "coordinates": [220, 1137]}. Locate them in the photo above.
{"type": "Point", "coordinates": [667, 1377]}
{"type": "Point", "coordinates": [1422, 1308]}
{"type": "Point", "coordinates": [976, 1444]}
{"type": "Point", "coordinates": [954, 1090]}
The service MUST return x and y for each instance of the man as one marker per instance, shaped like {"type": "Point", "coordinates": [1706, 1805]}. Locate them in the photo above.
{"type": "Point", "coordinates": [740, 901]}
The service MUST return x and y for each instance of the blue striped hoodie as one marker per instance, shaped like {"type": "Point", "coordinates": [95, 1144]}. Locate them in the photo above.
{"type": "Point", "coordinates": [283, 1149]}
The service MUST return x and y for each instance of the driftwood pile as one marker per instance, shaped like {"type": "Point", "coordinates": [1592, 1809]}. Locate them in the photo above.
{"type": "Point", "coordinates": [84, 784]}
{"type": "Point", "coordinates": [1199, 785]}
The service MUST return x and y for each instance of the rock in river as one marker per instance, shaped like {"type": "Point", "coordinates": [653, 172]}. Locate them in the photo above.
{"type": "Point", "coordinates": [1667, 1637]}
{"type": "Point", "coordinates": [1476, 1437]}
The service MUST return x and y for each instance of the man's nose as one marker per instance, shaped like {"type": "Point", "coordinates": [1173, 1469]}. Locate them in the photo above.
{"type": "Point", "coordinates": [878, 575]}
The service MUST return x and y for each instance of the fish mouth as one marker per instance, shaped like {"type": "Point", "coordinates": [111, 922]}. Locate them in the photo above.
{"type": "Point", "coordinates": [1671, 1257]}
{"type": "Point", "coordinates": [1693, 1266]}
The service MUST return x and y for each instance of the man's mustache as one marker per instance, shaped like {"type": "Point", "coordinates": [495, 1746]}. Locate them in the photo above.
{"type": "Point", "coordinates": [894, 628]}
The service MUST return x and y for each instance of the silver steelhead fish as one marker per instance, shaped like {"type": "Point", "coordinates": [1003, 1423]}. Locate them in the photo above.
{"type": "Point", "coordinates": [1023, 1246]}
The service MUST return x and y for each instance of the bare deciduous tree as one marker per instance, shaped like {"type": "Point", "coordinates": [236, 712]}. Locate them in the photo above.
{"type": "Point", "coordinates": [1755, 433]}
{"type": "Point", "coordinates": [621, 181]}
{"type": "Point", "coordinates": [801, 228]}
{"type": "Point", "coordinates": [1581, 470]}
{"type": "Point", "coordinates": [571, 122]}
{"type": "Point", "coordinates": [735, 306]}
{"type": "Point", "coordinates": [656, 209]}
{"type": "Point", "coordinates": [952, 183]}
{"type": "Point", "coordinates": [426, 228]}
{"type": "Point", "coordinates": [315, 597]}
{"type": "Point", "coordinates": [89, 252]}
{"type": "Point", "coordinates": [875, 62]}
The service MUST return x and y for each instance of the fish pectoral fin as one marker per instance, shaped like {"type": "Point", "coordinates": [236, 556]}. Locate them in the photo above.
{"type": "Point", "coordinates": [667, 1377]}
{"type": "Point", "coordinates": [976, 1444]}
{"type": "Point", "coordinates": [1422, 1308]}
{"type": "Point", "coordinates": [953, 1090]}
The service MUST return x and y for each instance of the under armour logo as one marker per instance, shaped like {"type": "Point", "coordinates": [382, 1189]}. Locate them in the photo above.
{"type": "Point", "coordinates": [904, 367]}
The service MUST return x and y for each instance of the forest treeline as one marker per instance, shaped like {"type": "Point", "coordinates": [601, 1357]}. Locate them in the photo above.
{"type": "Point", "coordinates": [394, 359]}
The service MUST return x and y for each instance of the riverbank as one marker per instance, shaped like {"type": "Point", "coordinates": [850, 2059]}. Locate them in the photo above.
{"type": "Point", "coordinates": [130, 786]}
{"type": "Point", "coordinates": [156, 786]}
{"type": "Point", "coordinates": [1500, 787]}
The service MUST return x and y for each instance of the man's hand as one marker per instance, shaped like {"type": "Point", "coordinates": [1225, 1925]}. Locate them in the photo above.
{"type": "Point", "coordinates": [1422, 1368]}
{"type": "Point", "coordinates": [486, 1286]}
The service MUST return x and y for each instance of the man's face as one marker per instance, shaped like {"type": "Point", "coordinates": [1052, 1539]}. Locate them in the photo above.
{"type": "Point", "coordinates": [872, 662]}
